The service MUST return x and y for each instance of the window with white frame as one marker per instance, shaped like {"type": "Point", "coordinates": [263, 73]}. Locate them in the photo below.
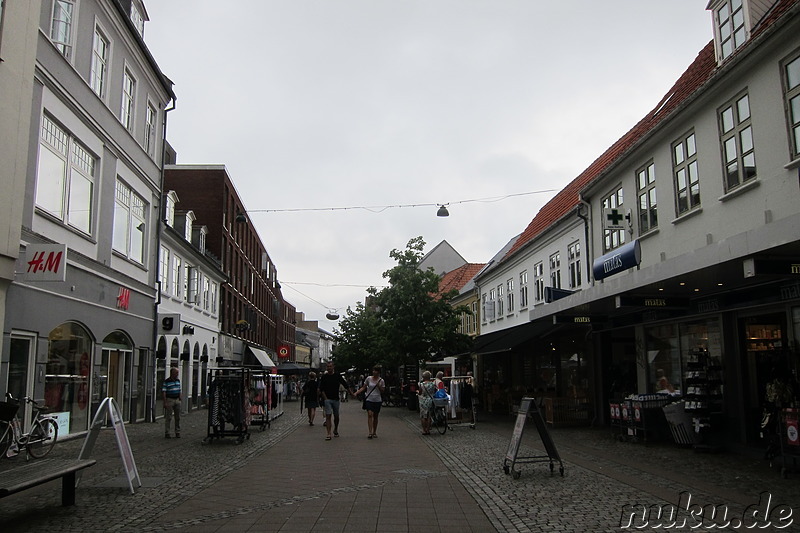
{"type": "Point", "coordinates": [791, 89]}
{"type": "Point", "coordinates": [684, 169]}
{"type": "Point", "coordinates": [485, 310]}
{"type": "Point", "coordinates": [523, 289]}
{"type": "Point", "coordinates": [613, 238]}
{"type": "Point", "coordinates": [65, 177]}
{"type": "Point", "coordinates": [473, 318]}
{"type": "Point", "coordinates": [150, 128]}
{"type": "Point", "coordinates": [177, 282]}
{"type": "Point", "coordinates": [736, 136]}
{"type": "Point", "coordinates": [538, 281]}
{"type": "Point", "coordinates": [500, 302]}
{"type": "Point", "coordinates": [574, 264]}
{"type": "Point", "coordinates": [510, 296]}
{"type": "Point", "coordinates": [163, 273]}
{"type": "Point", "coordinates": [555, 270]}
{"type": "Point", "coordinates": [61, 26]}
{"type": "Point", "coordinates": [492, 307]}
{"type": "Point", "coordinates": [130, 227]}
{"type": "Point", "coordinates": [730, 26]}
{"type": "Point", "coordinates": [128, 98]}
{"type": "Point", "coordinates": [214, 293]}
{"type": "Point", "coordinates": [206, 293]}
{"type": "Point", "coordinates": [100, 56]}
{"type": "Point", "coordinates": [169, 208]}
{"type": "Point", "coordinates": [190, 283]}
{"type": "Point", "coordinates": [137, 18]}
{"type": "Point", "coordinates": [646, 189]}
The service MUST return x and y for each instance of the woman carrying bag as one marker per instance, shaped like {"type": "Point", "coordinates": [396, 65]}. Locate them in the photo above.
{"type": "Point", "coordinates": [374, 387]}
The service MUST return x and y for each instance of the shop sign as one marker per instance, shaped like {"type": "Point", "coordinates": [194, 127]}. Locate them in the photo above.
{"type": "Point", "coordinates": [616, 261]}
{"type": "Point", "coordinates": [792, 435]}
{"type": "Point", "coordinates": [46, 262]}
{"type": "Point", "coordinates": [124, 298]}
{"type": "Point", "coordinates": [283, 352]}
{"type": "Point", "coordinates": [562, 319]}
{"type": "Point", "coordinates": [653, 303]}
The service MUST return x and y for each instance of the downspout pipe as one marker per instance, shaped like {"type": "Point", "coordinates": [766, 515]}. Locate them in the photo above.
{"type": "Point", "coordinates": [150, 410]}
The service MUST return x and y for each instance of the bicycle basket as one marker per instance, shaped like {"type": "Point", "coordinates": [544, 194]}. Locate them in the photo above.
{"type": "Point", "coordinates": [8, 410]}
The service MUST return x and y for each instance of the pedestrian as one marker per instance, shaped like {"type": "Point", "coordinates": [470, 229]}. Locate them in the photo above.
{"type": "Point", "coordinates": [311, 396]}
{"type": "Point", "coordinates": [329, 391]}
{"type": "Point", "coordinates": [373, 388]}
{"type": "Point", "coordinates": [426, 390]}
{"type": "Point", "coordinates": [171, 394]}
{"type": "Point", "coordinates": [439, 381]}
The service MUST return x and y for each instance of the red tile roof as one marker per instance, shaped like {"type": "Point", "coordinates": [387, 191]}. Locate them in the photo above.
{"type": "Point", "coordinates": [456, 279]}
{"type": "Point", "coordinates": [698, 73]}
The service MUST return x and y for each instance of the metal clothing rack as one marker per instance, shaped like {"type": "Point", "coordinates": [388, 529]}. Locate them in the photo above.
{"type": "Point", "coordinates": [458, 407]}
{"type": "Point", "coordinates": [229, 404]}
{"type": "Point", "coordinates": [259, 399]}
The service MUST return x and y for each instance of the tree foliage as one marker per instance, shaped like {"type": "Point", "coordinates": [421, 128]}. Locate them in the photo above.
{"type": "Point", "coordinates": [405, 322]}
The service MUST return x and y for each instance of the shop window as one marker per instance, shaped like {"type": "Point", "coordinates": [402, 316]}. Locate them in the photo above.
{"type": "Point", "coordinates": [67, 378]}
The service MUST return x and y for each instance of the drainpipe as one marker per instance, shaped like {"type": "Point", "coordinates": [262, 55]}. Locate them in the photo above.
{"type": "Point", "coordinates": [150, 406]}
{"type": "Point", "coordinates": [579, 211]}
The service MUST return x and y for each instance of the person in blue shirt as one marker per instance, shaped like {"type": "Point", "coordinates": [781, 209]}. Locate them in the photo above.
{"type": "Point", "coordinates": [171, 394]}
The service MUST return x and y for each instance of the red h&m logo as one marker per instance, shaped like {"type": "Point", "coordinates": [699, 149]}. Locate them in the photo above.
{"type": "Point", "coordinates": [46, 262]}
{"type": "Point", "coordinates": [124, 298]}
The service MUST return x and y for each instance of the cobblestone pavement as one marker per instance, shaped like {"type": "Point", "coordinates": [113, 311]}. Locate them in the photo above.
{"type": "Point", "coordinates": [288, 478]}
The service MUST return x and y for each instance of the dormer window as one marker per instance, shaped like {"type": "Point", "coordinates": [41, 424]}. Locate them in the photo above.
{"type": "Point", "coordinates": [138, 17]}
{"type": "Point", "coordinates": [169, 208]}
{"type": "Point", "coordinates": [187, 228]}
{"type": "Point", "coordinates": [731, 25]}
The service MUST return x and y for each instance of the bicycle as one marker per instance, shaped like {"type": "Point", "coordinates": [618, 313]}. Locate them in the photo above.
{"type": "Point", "coordinates": [439, 415]}
{"type": "Point", "coordinates": [38, 442]}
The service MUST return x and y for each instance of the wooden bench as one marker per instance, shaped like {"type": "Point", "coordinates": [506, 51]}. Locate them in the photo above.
{"type": "Point", "coordinates": [35, 473]}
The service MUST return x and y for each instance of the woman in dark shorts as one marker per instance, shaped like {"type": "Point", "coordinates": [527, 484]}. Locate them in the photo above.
{"type": "Point", "coordinates": [373, 388]}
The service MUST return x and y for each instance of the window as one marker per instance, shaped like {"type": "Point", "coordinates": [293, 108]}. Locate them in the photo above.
{"type": "Point", "coordinates": [538, 281]}
{"type": "Point", "coordinates": [177, 282]}
{"type": "Point", "coordinates": [164, 269]}
{"type": "Point", "coordinates": [128, 94]}
{"type": "Point", "coordinates": [485, 305]}
{"type": "Point", "coordinates": [792, 92]}
{"type": "Point", "coordinates": [137, 19]}
{"type": "Point", "coordinates": [500, 301]}
{"type": "Point", "coordinates": [510, 295]}
{"type": "Point", "coordinates": [99, 64]}
{"type": "Point", "coordinates": [555, 270]}
{"type": "Point", "coordinates": [684, 168]}
{"type": "Point", "coordinates": [65, 177]}
{"type": "Point", "coordinates": [214, 293]}
{"type": "Point", "coordinates": [492, 304]}
{"type": "Point", "coordinates": [736, 135]}
{"type": "Point", "coordinates": [150, 130]}
{"type": "Point", "coordinates": [61, 26]}
{"type": "Point", "coordinates": [129, 223]}
{"type": "Point", "coordinates": [523, 289]}
{"type": "Point", "coordinates": [169, 215]}
{"type": "Point", "coordinates": [646, 189]}
{"type": "Point", "coordinates": [190, 283]}
{"type": "Point", "coordinates": [729, 18]}
{"type": "Point", "coordinates": [574, 261]}
{"type": "Point", "coordinates": [613, 238]}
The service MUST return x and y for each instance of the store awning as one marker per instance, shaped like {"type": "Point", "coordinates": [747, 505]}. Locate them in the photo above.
{"type": "Point", "coordinates": [262, 357]}
{"type": "Point", "coordinates": [508, 339]}
{"type": "Point", "coordinates": [287, 367]}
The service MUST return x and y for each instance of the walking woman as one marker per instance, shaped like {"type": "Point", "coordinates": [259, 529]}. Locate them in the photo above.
{"type": "Point", "coordinates": [311, 397]}
{"type": "Point", "coordinates": [427, 389]}
{"type": "Point", "coordinates": [373, 388]}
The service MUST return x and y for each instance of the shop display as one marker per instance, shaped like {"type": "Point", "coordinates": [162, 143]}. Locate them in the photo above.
{"type": "Point", "coordinates": [703, 388]}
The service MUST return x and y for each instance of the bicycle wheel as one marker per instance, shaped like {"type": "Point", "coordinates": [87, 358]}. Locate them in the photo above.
{"type": "Point", "coordinates": [6, 438]}
{"type": "Point", "coordinates": [440, 419]}
{"type": "Point", "coordinates": [42, 438]}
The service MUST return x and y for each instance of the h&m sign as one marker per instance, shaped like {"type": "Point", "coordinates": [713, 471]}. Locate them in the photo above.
{"type": "Point", "coordinates": [45, 262]}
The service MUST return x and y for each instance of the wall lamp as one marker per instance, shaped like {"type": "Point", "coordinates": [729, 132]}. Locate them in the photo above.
{"type": "Point", "coordinates": [241, 217]}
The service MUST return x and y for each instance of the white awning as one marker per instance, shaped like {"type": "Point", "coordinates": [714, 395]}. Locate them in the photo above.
{"type": "Point", "coordinates": [262, 357]}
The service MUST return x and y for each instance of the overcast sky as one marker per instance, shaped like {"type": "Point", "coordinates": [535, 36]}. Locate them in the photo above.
{"type": "Point", "coordinates": [340, 103]}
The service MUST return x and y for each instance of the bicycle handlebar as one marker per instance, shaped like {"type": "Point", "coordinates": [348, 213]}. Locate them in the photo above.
{"type": "Point", "coordinates": [27, 399]}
